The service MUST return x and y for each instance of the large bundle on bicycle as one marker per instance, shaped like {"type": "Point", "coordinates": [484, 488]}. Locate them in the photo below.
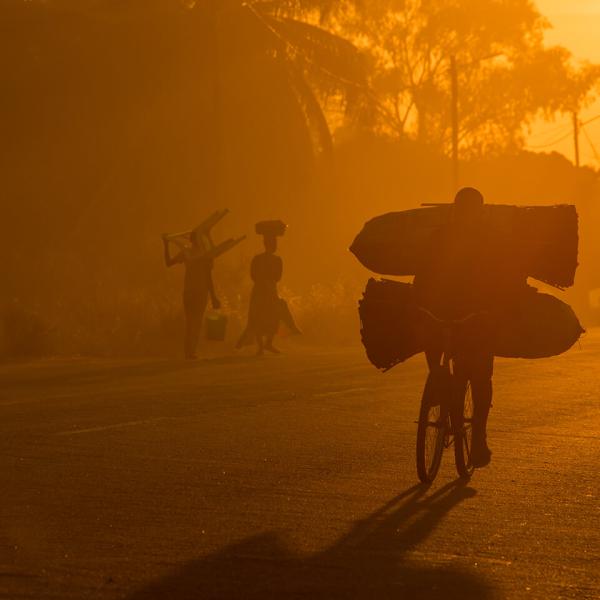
{"type": "Point", "coordinates": [540, 242]}
{"type": "Point", "coordinates": [387, 323]}
{"type": "Point", "coordinates": [544, 238]}
{"type": "Point", "coordinates": [535, 325]}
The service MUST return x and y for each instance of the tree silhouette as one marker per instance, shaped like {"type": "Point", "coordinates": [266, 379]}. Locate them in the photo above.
{"type": "Point", "coordinates": [505, 73]}
{"type": "Point", "coordinates": [114, 103]}
{"type": "Point", "coordinates": [318, 63]}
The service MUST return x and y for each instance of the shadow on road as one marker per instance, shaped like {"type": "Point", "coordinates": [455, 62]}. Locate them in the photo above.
{"type": "Point", "coordinates": [366, 563]}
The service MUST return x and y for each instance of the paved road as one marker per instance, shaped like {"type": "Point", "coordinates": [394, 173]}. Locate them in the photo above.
{"type": "Point", "coordinates": [291, 477]}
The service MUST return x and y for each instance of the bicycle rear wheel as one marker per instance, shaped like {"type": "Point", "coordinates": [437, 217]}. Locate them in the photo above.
{"type": "Point", "coordinates": [433, 425]}
{"type": "Point", "coordinates": [463, 433]}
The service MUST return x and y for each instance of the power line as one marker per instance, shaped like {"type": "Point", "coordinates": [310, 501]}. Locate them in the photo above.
{"type": "Point", "coordinates": [589, 139]}
{"type": "Point", "coordinates": [559, 129]}
{"type": "Point", "coordinates": [588, 121]}
{"type": "Point", "coordinates": [552, 143]}
{"type": "Point", "coordinates": [563, 137]}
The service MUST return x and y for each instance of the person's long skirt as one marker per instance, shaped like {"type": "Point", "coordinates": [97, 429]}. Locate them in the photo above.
{"type": "Point", "coordinates": [264, 315]}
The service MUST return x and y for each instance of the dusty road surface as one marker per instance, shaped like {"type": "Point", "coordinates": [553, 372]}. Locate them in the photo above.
{"type": "Point", "coordinates": [291, 477]}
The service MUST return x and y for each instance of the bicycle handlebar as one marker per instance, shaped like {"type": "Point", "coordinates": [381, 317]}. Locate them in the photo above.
{"type": "Point", "coordinates": [461, 321]}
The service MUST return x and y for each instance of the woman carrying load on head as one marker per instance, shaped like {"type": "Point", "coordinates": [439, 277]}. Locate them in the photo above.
{"type": "Point", "coordinates": [267, 309]}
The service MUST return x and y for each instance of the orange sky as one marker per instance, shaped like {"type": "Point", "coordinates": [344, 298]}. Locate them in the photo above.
{"type": "Point", "coordinates": [576, 25]}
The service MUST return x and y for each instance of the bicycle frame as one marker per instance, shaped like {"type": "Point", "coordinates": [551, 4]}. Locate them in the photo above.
{"type": "Point", "coordinates": [448, 327]}
{"type": "Point", "coordinates": [442, 387]}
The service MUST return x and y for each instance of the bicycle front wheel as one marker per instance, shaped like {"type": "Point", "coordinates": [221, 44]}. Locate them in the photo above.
{"type": "Point", "coordinates": [463, 433]}
{"type": "Point", "coordinates": [433, 425]}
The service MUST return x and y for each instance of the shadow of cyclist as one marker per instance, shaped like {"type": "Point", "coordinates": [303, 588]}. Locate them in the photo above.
{"type": "Point", "coordinates": [368, 562]}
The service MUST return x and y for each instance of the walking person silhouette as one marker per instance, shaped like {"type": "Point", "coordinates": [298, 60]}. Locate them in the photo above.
{"type": "Point", "coordinates": [197, 287]}
{"type": "Point", "coordinates": [267, 309]}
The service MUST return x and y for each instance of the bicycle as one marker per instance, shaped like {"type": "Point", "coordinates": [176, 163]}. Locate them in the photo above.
{"type": "Point", "coordinates": [446, 413]}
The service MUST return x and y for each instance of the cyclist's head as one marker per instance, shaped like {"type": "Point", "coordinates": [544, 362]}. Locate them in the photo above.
{"type": "Point", "coordinates": [468, 204]}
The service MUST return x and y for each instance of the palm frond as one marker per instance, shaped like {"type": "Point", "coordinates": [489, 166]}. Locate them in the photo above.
{"type": "Point", "coordinates": [313, 113]}
{"type": "Point", "coordinates": [318, 50]}
{"type": "Point", "coordinates": [297, 8]}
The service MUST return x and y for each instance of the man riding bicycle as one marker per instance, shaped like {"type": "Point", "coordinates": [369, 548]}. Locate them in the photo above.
{"type": "Point", "coordinates": [461, 274]}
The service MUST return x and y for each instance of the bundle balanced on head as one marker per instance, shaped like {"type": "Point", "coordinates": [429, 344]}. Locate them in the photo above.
{"type": "Point", "coordinates": [267, 310]}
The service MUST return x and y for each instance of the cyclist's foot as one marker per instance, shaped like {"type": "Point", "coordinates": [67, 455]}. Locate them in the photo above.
{"type": "Point", "coordinates": [482, 455]}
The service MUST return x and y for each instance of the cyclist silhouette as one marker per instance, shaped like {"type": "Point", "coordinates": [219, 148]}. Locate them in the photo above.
{"type": "Point", "coordinates": [462, 273]}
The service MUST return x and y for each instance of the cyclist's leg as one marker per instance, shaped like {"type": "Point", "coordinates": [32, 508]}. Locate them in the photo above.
{"type": "Point", "coordinates": [434, 357]}
{"type": "Point", "coordinates": [462, 374]}
{"type": "Point", "coordinates": [481, 372]}
{"type": "Point", "coordinates": [437, 380]}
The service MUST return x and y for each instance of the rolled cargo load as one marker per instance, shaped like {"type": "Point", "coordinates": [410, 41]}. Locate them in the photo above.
{"type": "Point", "coordinates": [535, 325]}
{"type": "Point", "coordinates": [544, 238]}
{"type": "Point", "coordinates": [387, 323]}
{"type": "Point", "coordinates": [395, 243]}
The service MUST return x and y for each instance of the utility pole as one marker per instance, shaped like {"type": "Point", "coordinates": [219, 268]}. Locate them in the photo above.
{"type": "Point", "coordinates": [454, 88]}
{"type": "Point", "coordinates": [576, 136]}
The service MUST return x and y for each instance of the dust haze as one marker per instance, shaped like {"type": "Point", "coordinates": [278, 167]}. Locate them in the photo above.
{"type": "Point", "coordinates": [189, 404]}
{"type": "Point", "coordinates": [125, 120]}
